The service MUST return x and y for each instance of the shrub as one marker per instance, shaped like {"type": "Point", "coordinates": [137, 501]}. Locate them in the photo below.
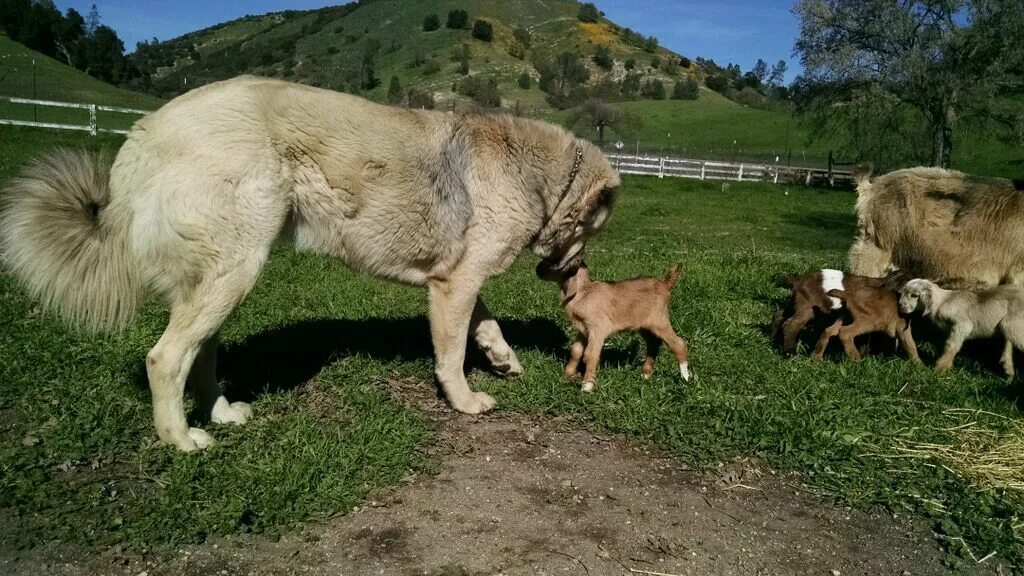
{"type": "Point", "coordinates": [332, 50]}
{"type": "Point", "coordinates": [656, 62]}
{"type": "Point", "coordinates": [457, 19]}
{"type": "Point", "coordinates": [686, 89]}
{"type": "Point", "coordinates": [483, 91]}
{"type": "Point", "coordinates": [525, 81]}
{"type": "Point", "coordinates": [517, 50]}
{"type": "Point", "coordinates": [395, 91]}
{"type": "Point", "coordinates": [431, 23]}
{"type": "Point", "coordinates": [482, 30]}
{"type": "Point", "coordinates": [588, 13]}
{"type": "Point", "coordinates": [522, 35]}
{"type": "Point", "coordinates": [418, 99]}
{"type": "Point", "coordinates": [431, 67]}
{"type": "Point", "coordinates": [630, 64]}
{"type": "Point", "coordinates": [684, 62]}
{"type": "Point", "coordinates": [653, 89]}
{"type": "Point", "coordinates": [603, 58]}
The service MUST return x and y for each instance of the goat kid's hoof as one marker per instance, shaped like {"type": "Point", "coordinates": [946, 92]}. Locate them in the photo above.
{"type": "Point", "coordinates": [587, 387]}
{"type": "Point", "coordinates": [684, 371]}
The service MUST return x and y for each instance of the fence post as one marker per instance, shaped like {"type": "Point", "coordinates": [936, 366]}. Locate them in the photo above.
{"type": "Point", "coordinates": [740, 177]}
{"type": "Point", "coordinates": [661, 167]}
{"type": "Point", "coordinates": [703, 165]}
{"type": "Point", "coordinates": [808, 181]}
{"type": "Point", "coordinates": [93, 129]}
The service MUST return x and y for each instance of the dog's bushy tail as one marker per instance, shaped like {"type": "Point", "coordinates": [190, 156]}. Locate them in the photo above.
{"type": "Point", "coordinates": [58, 237]}
{"type": "Point", "coordinates": [674, 274]}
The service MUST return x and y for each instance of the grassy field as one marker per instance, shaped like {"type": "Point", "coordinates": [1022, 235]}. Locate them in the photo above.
{"type": "Point", "coordinates": [57, 81]}
{"type": "Point", "coordinates": [315, 344]}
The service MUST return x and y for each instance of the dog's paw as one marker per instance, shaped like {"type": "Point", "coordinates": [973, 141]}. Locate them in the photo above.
{"type": "Point", "coordinates": [230, 413]}
{"type": "Point", "coordinates": [587, 387]}
{"type": "Point", "coordinates": [474, 403]}
{"type": "Point", "coordinates": [684, 371]}
{"type": "Point", "coordinates": [196, 439]}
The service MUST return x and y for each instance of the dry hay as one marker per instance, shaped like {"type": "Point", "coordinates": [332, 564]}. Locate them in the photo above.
{"type": "Point", "coordinates": [992, 458]}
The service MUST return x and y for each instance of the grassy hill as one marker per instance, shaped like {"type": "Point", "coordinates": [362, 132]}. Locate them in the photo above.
{"type": "Point", "coordinates": [325, 47]}
{"type": "Point", "coordinates": [53, 80]}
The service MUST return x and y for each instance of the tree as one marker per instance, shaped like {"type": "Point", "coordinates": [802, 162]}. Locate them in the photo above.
{"type": "Point", "coordinates": [630, 85]}
{"type": "Point", "coordinates": [367, 72]}
{"type": "Point", "coordinates": [522, 35]}
{"type": "Point", "coordinates": [603, 58]}
{"type": "Point", "coordinates": [588, 13]}
{"type": "Point", "coordinates": [686, 89]}
{"type": "Point", "coordinates": [942, 62]}
{"type": "Point", "coordinates": [599, 115]}
{"type": "Point", "coordinates": [525, 81]}
{"type": "Point", "coordinates": [482, 30]}
{"type": "Point", "coordinates": [457, 19]}
{"type": "Point", "coordinates": [418, 99]}
{"type": "Point", "coordinates": [431, 23]}
{"type": "Point", "coordinates": [760, 71]}
{"type": "Point", "coordinates": [93, 22]}
{"type": "Point", "coordinates": [653, 89]}
{"type": "Point", "coordinates": [464, 60]}
{"type": "Point", "coordinates": [778, 73]}
{"type": "Point", "coordinates": [395, 91]}
{"type": "Point", "coordinates": [684, 62]}
{"type": "Point", "coordinates": [650, 44]}
{"type": "Point", "coordinates": [563, 78]}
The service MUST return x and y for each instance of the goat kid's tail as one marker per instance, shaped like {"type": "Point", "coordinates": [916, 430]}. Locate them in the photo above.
{"type": "Point", "coordinates": [674, 274]}
{"type": "Point", "coordinates": [834, 293]}
{"type": "Point", "coordinates": [70, 252]}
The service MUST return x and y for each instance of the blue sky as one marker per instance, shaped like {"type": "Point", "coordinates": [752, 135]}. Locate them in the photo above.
{"type": "Point", "coordinates": [739, 31]}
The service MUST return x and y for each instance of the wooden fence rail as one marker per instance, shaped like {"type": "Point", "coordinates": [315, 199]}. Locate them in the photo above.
{"type": "Point", "coordinates": [662, 166]}
{"type": "Point", "coordinates": [92, 127]}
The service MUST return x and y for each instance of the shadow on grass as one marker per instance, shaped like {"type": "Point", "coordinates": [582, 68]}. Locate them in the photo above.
{"type": "Point", "coordinates": [830, 230]}
{"type": "Point", "coordinates": [284, 358]}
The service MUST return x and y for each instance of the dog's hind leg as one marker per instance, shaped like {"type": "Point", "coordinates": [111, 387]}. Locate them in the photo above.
{"type": "Point", "coordinates": [195, 319]}
{"type": "Point", "coordinates": [487, 333]}
{"type": "Point", "coordinates": [210, 400]}
{"type": "Point", "coordinates": [653, 346]}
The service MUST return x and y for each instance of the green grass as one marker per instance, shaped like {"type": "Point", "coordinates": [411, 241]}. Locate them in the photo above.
{"type": "Point", "coordinates": [315, 448]}
{"type": "Point", "coordinates": [57, 81]}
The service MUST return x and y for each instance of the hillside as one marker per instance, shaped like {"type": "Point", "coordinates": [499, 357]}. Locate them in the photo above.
{"type": "Point", "coordinates": [57, 81]}
{"type": "Point", "coordinates": [330, 47]}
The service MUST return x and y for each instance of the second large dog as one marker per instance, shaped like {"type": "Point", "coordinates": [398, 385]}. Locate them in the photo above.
{"type": "Point", "coordinates": [202, 188]}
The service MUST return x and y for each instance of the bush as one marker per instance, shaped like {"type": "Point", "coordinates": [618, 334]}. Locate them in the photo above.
{"type": "Point", "coordinates": [522, 35]}
{"type": "Point", "coordinates": [482, 30]}
{"type": "Point", "coordinates": [418, 99]}
{"type": "Point", "coordinates": [395, 91]}
{"type": "Point", "coordinates": [630, 64]}
{"type": "Point", "coordinates": [431, 67]}
{"type": "Point", "coordinates": [517, 50]}
{"type": "Point", "coordinates": [650, 44]}
{"type": "Point", "coordinates": [431, 23]}
{"type": "Point", "coordinates": [653, 89]}
{"type": "Point", "coordinates": [656, 62]}
{"type": "Point", "coordinates": [588, 13]}
{"type": "Point", "coordinates": [686, 89]}
{"type": "Point", "coordinates": [603, 58]}
{"type": "Point", "coordinates": [333, 50]}
{"type": "Point", "coordinates": [525, 81]}
{"type": "Point", "coordinates": [483, 91]}
{"type": "Point", "coordinates": [464, 60]}
{"type": "Point", "coordinates": [684, 62]}
{"type": "Point", "coordinates": [457, 19]}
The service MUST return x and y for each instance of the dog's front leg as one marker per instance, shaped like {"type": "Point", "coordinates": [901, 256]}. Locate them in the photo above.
{"type": "Point", "coordinates": [956, 339]}
{"type": "Point", "coordinates": [487, 333]}
{"type": "Point", "coordinates": [451, 308]}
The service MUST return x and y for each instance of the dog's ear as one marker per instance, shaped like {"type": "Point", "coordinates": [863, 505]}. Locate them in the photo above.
{"type": "Point", "coordinates": [925, 297]}
{"type": "Point", "coordinates": [600, 207]}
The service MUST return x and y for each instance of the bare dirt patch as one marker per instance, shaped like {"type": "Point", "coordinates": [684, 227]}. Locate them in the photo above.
{"type": "Point", "coordinates": [526, 496]}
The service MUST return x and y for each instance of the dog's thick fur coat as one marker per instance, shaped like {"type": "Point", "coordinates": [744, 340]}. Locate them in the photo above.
{"type": "Point", "coordinates": [202, 188]}
{"type": "Point", "coordinates": [958, 230]}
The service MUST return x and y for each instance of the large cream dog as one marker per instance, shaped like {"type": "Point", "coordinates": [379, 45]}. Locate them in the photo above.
{"type": "Point", "coordinates": [957, 230]}
{"type": "Point", "coordinates": [203, 186]}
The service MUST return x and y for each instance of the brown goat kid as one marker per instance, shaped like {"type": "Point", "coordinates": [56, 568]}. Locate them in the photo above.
{"type": "Point", "coordinates": [600, 309]}
{"type": "Point", "coordinates": [872, 305]}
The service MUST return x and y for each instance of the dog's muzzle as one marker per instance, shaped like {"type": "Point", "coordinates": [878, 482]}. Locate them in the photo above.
{"type": "Point", "coordinates": [555, 268]}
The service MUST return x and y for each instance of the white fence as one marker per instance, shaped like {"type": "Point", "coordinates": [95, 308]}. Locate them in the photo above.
{"type": "Point", "coordinates": [662, 166]}
{"type": "Point", "coordinates": [92, 127]}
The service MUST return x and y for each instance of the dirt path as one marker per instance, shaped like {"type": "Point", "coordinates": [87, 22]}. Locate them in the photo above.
{"type": "Point", "coordinates": [517, 496]}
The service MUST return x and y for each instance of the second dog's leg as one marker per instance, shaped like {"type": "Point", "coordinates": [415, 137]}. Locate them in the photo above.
{"type": "Point", "coordinates": [487, 333]}
{"type": "Point", "coordinates": [653, 345]}
{"type": "Point", "coordinates": [451, 307]}
{"type": "Point", "coordinates": [1007, 359]}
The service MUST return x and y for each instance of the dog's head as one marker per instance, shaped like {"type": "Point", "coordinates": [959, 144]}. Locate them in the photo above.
{"type": "Point", "coordinates": [916, 295]}
{"type": "Point", "coordinates": [582, 211]}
